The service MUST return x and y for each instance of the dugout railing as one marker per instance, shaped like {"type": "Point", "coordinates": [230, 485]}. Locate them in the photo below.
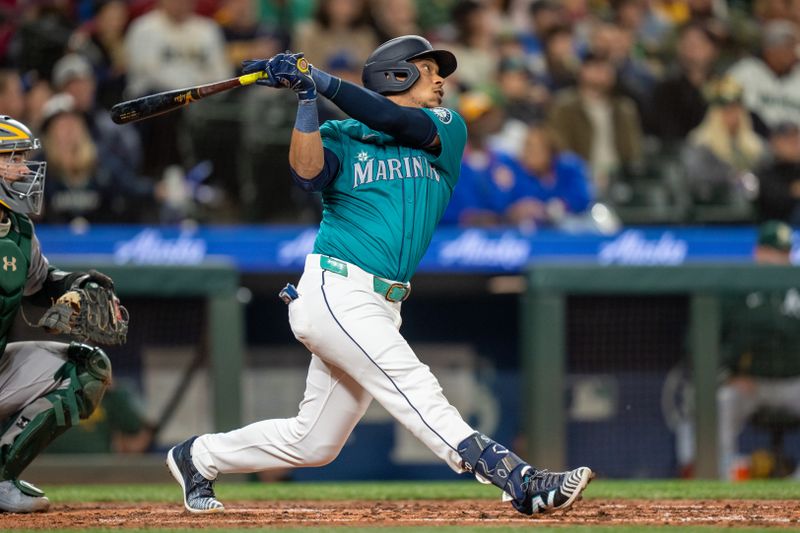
{"type": "Point", "coordinates": [544, 339]}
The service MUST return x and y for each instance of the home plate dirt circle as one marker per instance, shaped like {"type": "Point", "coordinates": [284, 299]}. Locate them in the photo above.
{"type": "Point", "coordinates": [244, 514]}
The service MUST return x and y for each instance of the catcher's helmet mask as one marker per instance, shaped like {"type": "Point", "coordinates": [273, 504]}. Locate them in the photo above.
{"type": "Point", "coordinates": [389, 69]}
{"type": "Point", "coordinates": [24, 194]}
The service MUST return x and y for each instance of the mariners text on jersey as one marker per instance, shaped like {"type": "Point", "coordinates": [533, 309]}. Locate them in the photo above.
{"type": "Point", "coordinates": [367, 169]}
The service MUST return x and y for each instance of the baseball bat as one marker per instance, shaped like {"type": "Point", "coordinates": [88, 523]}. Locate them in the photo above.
{"type": "Point", "coordinates": [160, 103]}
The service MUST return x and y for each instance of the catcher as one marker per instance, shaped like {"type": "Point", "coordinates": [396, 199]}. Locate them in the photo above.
{"type": "Point", "coordinates": [45, 387]}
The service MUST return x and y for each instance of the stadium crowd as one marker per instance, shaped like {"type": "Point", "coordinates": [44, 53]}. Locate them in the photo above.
{"type": "Point", "coordinates": [581, 113]}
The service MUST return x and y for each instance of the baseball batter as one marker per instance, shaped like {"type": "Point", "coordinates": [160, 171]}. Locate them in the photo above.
{"type": "Point", "coordinates": [386, 176]}
{"type": "Point", "coordinates": [45, 387]}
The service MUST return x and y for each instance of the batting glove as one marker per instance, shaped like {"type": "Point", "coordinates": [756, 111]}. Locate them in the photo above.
{"type": "Point", "coordinates": [294, 72]}
{"type": "Point", "coordinates": [249, 66]}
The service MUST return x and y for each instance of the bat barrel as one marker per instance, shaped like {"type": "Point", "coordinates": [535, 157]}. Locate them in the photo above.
{"type": "Point", "coordinates": [157, 104]}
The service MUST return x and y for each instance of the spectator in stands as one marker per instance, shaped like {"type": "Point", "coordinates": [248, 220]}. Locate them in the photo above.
{"type": "Point", "coordinates": [473, 202]}
{"type": "Point", "coordinates": [760, 349]}
{"type": "Point", "coordinates": [168, 48]}
{"type": "Point", "coordinates": [171, 47]}
{"type": "Point", "coordinates": [648, 30]}
{"type": "Point", "coordinates": [80, 189]}
{"type": "Point", "coordinates": [102, 41]}
{"type": "Point", "coordinates": [524, 98]}
{"type": "Point", "coordinates": [9, 16]}
{"type": "Point", "coordinates": [779, 178]}
{"type": "Point", "coordinates": [543, 16]}
{"type": "Point", "coordinates": [547, 184]}
{"type": "Point", "coordinates": [561, 60]}
{"type": "Point", "coordinates": [393, 18]}
{"type": "Point", "coordinates": [42, 35]}
{"type": "Point", "coordinates": [475, 45]}
{"type": "Point", "coordinates": [339, 26]}
{"type": "Point", "coordinates": [12, 97]}
{"type": "Point", "coordinates": [634, 77]}
{"type": "Point", "coordinates": [678, 101]}
{"type": "Point", "coordinates": [674, 12]}
{"type": "Point", "coordinates": [772, 82]}
{"type": "Point", "coordinates": [601, 127]}
{"type": "Point", "coordinates": [73, 75]}
{"type": "Point", "coordinates": [723, 149]}
{"type": "Point", "coordinates": [38, 92]}
{"type": "Point", "coordinates": [245, 36]}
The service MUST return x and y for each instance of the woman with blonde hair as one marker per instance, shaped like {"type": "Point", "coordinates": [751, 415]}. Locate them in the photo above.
{"type": "Point", "coordinates": [724, 148]}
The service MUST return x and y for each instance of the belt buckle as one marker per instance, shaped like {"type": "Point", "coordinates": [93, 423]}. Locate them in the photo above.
{"type": "Point", "coordinates": [406, 290]}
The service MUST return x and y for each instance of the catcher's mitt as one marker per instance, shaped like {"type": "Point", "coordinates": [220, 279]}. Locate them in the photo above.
{"type": "Point", "coordinates": [90, 313]}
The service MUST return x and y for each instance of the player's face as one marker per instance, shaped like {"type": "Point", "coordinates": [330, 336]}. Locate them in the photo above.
{"type": "Point", "coordinates": [13, 166]}
{"type": "Point", "coordinates": [428, 91]}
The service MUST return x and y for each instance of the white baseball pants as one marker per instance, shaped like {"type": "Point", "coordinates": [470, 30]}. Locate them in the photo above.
{"type": "Point", "coordinates": [27, 371]}
{"type": "Point", "coordinates": [358, 354]}
{"type": "Point", "coordinates": [735, 407]}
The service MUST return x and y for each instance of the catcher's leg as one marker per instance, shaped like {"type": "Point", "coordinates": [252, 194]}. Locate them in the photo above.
{"type": "Point", "coordinates": [74, 390]}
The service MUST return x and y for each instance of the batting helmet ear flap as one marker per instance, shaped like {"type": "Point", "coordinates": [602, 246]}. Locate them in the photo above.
{"type": "Point", "coordinates": [384, 74]}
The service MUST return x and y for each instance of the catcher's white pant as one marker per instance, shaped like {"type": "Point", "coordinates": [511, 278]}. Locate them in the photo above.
{"type": "Point", "coordinates": [27, 371]}
{"type": "Point", "coordinates": [736, 406]}
{"type": "Point", "coordinates": [358, 355]}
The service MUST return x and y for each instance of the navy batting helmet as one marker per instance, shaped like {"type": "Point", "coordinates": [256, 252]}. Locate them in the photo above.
{"type": "Point", "coordinates": [393, 58]}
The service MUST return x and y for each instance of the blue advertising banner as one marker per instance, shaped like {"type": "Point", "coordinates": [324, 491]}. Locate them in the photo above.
{"type": "Point", "coordinates": [282, 248]}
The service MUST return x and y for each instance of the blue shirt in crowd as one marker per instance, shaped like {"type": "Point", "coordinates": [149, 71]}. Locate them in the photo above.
{"type": "Point", "coordinates": [494, 182]}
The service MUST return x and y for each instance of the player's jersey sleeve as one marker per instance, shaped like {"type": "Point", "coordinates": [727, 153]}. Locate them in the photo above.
{"type": "Point", "coordinates": [38, 269]}
{"type": "Point", "coordinates": [452, 133]}
{"type": "Point", "coordinates": [332, 138]}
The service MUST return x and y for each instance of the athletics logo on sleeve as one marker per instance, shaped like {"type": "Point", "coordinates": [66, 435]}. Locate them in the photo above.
{"type": "Point", "coordinates": [443, 114]}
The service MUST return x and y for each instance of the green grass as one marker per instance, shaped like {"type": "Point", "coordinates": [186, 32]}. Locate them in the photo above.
{"type": "Point", "coordinates": [605, 489]}
{"type": "Point", "coordinates": [613, 489]}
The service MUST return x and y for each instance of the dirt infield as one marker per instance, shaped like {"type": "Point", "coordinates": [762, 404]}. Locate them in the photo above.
{"type": "Point", "coordinates": [735, 513]}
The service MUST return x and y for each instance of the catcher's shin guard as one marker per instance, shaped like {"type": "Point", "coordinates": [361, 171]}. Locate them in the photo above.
{"type": "Point", "coordinates": [494, 463]}
{"type": "Point", "coordinates": [39, 423]}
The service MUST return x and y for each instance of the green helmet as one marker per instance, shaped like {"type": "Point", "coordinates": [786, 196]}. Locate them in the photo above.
{"type": "Point", "coordinates": [25, 193]}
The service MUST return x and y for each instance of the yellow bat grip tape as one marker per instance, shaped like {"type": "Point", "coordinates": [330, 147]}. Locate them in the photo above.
{"type": "Point", "coordinates": [248, 79]}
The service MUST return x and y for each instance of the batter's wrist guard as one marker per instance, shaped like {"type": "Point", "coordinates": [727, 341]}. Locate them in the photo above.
{"type": "Point", "coordinates": [493, 463]}
{"type": "Point", "coordinates": [307, 120]}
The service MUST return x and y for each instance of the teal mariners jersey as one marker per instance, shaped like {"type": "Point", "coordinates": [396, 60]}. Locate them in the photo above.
{"type": "Point", "coordinates": [380, 211]}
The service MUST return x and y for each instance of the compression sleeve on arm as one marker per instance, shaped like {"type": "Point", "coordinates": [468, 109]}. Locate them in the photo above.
{"type": "Point", "coordinates": [329, 171]}
{"type": "Point", "coordinates": [409, 125]}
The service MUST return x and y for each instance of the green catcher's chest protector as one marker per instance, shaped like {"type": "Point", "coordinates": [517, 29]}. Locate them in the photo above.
{"type": "Point", "coordinates": [15, 257]}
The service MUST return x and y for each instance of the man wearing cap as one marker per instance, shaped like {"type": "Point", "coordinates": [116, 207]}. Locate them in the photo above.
{"type": "Point", "coordinates": [771, 82]}
{"type": "Point", "coordinates": [73, 75]}
{"type": "Point", "coordinates": [779, 179]}
{"type": "Point", "coordinates": [386, 176]}
{"type": "Point", "coordinates": [598, 125]}
{"type": "Point", "coordinates": [760, 349]}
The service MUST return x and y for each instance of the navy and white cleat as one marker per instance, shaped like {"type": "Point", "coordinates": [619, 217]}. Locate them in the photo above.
{"type": "Point", "coordinates": [552, 491]}
{"type": "Point", "coordinates": [198, 492]}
